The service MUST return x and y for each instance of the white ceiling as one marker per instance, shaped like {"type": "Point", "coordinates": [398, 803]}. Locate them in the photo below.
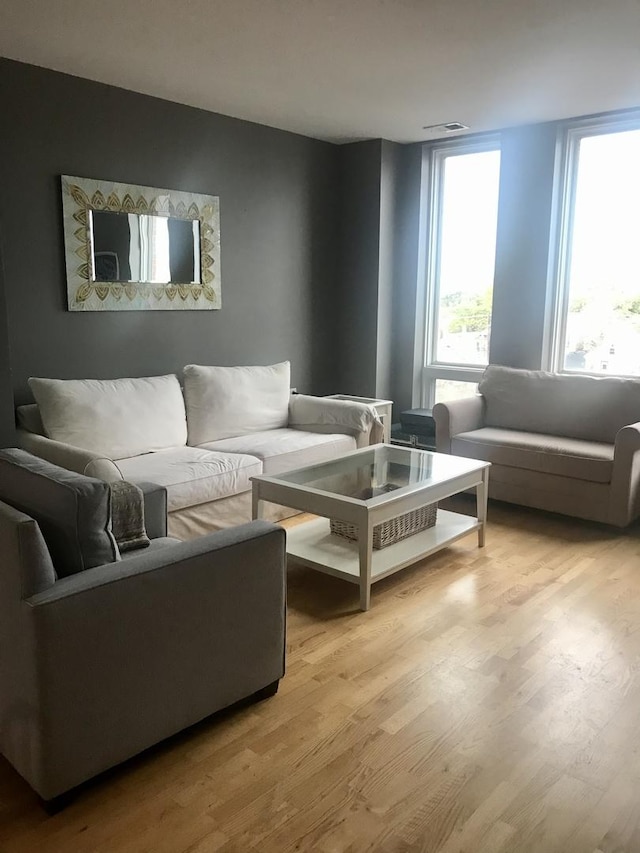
{"type": "Point", "coordinates": [346, 69]}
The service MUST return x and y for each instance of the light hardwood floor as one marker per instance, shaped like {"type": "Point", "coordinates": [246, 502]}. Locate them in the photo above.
{"type": "Point", "coordinates": [489, 702]}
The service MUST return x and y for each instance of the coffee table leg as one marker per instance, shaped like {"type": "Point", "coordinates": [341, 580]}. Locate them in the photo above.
{"type": "Point", "coordinates": [365, 547]}
{"type": "Point", "coordinates": [482, 494]}
{"type": "Point", "coordinates": [257, 506]}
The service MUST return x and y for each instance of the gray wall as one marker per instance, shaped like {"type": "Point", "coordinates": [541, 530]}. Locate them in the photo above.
{"type": "Point", "coordinates": [369, 175]}
{"type": "Point", "coordinates": [527, 161]}
{"type": "Point", "coordinates": [7, 428]}
{"type": "Point", "coordinates": [409, 264]}
{"type": "Point", "coordinates": [389, 166]}
{"type": "Point", "coordinates": [357, 305]}
{"type": "Point", "coordinates": [322, 253]}
{"type": "Point", "coordinates": [519, 329]}
{"type": "Point", "coordinates": [384, 259]}
{"type": "Point", "coordinates": [278, 234]}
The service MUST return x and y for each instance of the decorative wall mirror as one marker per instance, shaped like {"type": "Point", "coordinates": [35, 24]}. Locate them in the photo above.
{"type": "Point", "coordinates": [133, 248]}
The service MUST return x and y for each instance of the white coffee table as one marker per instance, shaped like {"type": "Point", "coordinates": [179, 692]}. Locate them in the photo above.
{"type": "Point", "coordinates": [330, 489]}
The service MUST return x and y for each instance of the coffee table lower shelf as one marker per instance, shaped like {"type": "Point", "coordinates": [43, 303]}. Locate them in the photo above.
{"type": "Point", "coordinates": [312, 544]}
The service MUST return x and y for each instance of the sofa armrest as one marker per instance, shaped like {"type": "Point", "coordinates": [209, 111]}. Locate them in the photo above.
{"type": "Point", "coordinates": [132, 652]}
{"type": "Point", "coordinates": [455, 417]}
{"type": "Point", "coordinates": [324, 414]}
{"type": "Point", "coordinates": [624, 504]}
{"type": "Point", "coordinates": [66, 456]}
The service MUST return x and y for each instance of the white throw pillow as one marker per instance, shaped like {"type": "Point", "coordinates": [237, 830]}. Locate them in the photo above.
{"type": "Point", "coordinates": [223, 402]}
{"type": "Point", "coordinates": [117, 418]}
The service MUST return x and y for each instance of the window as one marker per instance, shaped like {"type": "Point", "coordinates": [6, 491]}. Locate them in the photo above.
{"type": "Point", "coordinates": [463, 204]}
{"type": "Point", "coordinates": [597, 326]}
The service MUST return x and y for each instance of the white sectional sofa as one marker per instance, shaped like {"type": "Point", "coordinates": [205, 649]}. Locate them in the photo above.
{"type": "Point", "coordinates": [202, 442]}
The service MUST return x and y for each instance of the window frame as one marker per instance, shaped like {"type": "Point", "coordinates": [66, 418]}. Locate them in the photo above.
{"type": "Point", "coordinates": [429, 368]}
{"type": "Point", "coordinates": [570, 136]}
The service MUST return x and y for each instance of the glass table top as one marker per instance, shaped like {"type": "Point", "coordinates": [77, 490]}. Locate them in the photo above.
{"type": "Point", "coordinates": [379, 470]}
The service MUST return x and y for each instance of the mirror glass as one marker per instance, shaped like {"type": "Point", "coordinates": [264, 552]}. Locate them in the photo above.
{"type": "Point", "coordinates": [137, 247]}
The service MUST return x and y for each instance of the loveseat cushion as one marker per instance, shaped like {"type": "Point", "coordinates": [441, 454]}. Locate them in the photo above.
{"type": "Point", "coordinates": [72, 511]}
{"type": "Point", "coordinates": [223, 402]}
{"type": "Point", "coordinates": [117, 418]}
{"type": "Point", "coordinates": [549, 454]}
{"type": "Point", "coordinates": [285, 449]}
{"type": "Point", "coordinates": [587, 407]}
{"type": "Point", "coordinates": [192, 475]}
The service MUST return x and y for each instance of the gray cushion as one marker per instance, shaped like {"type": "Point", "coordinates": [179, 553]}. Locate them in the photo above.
{"type": "Point", "coordinates": [587, 407]}
{"type": "Point", "coordinates": [72, 511]}
{"type": "Point", "coordinates": [28, 417]}
{"type": "Point", "coordinates": [549, 454]}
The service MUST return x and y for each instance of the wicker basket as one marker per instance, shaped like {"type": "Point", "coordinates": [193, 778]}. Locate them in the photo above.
{"type": "Point", "coordinates": [393, 530]}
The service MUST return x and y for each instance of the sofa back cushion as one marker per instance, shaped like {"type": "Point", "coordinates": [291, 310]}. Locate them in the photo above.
{"type": "Point", "coordinates": [117, 418]}
{"type": "Point", "coordinates": [28, 418]}
{"type": "Point", "coordinates": [586, 407]}
{"type": "Point", "coordinates": [223, 402]}
{"type": "Point", "coordinates": [72, 511]}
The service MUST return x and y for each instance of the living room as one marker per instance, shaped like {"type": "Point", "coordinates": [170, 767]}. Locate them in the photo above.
{"type": "Point", "coordinates": [323, 253]}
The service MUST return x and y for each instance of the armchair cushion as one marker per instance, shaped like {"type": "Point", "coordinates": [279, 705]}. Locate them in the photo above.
{"type": "Point", "coordinates": [72, 511]}
{"type": "Point", "coordinates": [223, 402]}
{"type": "Point", "coordinates": [116, 418]}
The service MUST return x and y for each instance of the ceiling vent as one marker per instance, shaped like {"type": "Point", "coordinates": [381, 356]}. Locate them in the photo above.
{"type": "Point", "coordinates": [448, 127]}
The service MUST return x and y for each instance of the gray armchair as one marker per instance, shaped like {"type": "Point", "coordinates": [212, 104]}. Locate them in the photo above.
{"type": "Point", "coordinates": [99, 664]}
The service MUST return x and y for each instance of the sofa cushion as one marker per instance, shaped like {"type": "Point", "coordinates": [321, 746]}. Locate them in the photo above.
{"type": "Point", "coordinates": [72, 511]}
{"type": "Point", "coordinates": [587, 407]}
{"type": "Point", "coordinates": [550, 454]}
{"type": "Point", "coordinates": [223, 402]}
{"type": "Point", "coordinates": [117, 418]}
{"type": "Point", "coordinates": [28, 418]}
{"type": "Point", "coordinates": [192, 475]}
{"type": "Point", "coordinates": [285, 449]}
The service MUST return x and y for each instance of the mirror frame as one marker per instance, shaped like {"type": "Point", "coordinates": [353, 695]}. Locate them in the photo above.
{"type": "Point", "coordinates": [81, 195]}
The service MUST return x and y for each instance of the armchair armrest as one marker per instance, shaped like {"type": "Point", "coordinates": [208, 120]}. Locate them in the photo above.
{"type": "Point", "coordinates": [132, 652]}
{"type": "Point", "coordinates": [624, 504]}
{"type": "Point", "coordinates": [455, 417]}
{"type": "Point", "coordinates": [324, 414]}
{"type": "Point", "coordinates": [66, 456]}
{"type": "Point", "coordinates": [155, 509]}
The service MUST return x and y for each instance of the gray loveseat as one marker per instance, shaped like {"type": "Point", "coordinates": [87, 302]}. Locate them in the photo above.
{"type": "Point", "coordinates": [565, 443]}
{"type": "Point", "coordinates": [103, 655]}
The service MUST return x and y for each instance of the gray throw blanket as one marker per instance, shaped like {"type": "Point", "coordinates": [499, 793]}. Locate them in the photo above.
{"type": "Point", "coordinates": [127, 516]}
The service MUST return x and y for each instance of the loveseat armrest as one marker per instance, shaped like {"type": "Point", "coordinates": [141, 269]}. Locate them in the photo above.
{"type": "Point", "coordinates": [66, 456]}
{"type": "Point", "coordinates": [327, 415]}
{"type": "Point", "coordinates": [455, 417]}
{"type": "Point", "coordinates": [132, 652]}
{"type": "Point", "coordinates": [624, 503]}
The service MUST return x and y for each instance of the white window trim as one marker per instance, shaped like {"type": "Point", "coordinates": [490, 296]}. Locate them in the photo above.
{"type": "Point", "coordinates": [426, 368]}
{"type": "Point", "coordinates": [570, 135]}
